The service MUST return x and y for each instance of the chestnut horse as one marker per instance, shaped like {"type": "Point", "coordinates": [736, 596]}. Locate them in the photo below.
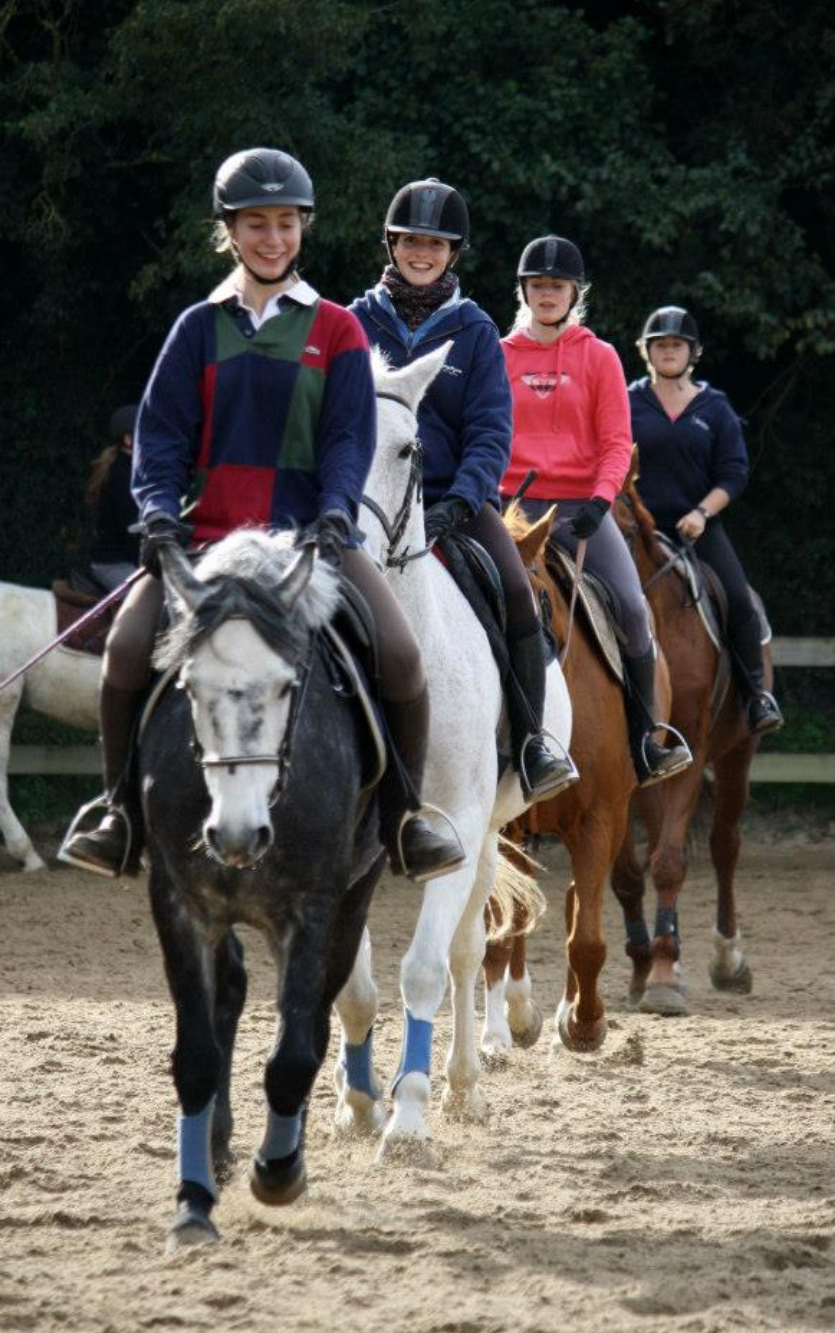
{"type": "Point", "coordinates": [667, 809]}
{"type": "Point", "coordinates": [590, 818]}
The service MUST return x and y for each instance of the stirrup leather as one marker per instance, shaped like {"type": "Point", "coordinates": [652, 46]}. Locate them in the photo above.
{"type": "Point", "coordinates": [98, 802]}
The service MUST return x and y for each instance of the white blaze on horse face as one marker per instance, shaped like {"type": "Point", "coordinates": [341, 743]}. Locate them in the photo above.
{"type": "Point", "coordinates": [240, 700]}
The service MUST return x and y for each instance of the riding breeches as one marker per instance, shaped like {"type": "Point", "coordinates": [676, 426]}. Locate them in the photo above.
{"type": "Point", "coordinates": [130, 644]}
{"type": "Point", "coordinates": [607, 556]}
{"type": "Point", "coordinates": [715, 548]}
{"type": "Point", "coordinates": [487, 528]}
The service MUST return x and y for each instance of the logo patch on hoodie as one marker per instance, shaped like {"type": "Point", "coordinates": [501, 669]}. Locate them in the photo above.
{"type": "Point", "coordinates": [544, 382]}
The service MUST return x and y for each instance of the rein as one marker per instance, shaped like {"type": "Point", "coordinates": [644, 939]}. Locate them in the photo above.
{"type": "Point", "coordinates": [575, 588]}
{"type": "Point", "coordinates": [395, 528]}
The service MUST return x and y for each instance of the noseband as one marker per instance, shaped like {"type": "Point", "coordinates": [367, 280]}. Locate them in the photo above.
{"type": "Point", "coordinates": [395, 529]}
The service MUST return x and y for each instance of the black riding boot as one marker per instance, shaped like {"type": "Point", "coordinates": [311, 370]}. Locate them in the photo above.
{"type": "Point", "coordinates": [413, 846]}
{"type": "Point", "coordinates": [762, 708]}
{"type": "Point", "coordinates": [541, 772]}
{"type": "Point", "coordinates": [113, 847]}
{"type": "Point", "coordinates": [653, 762]}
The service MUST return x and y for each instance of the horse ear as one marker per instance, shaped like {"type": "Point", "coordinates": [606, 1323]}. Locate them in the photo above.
{"type": "Point", "coordinates": [412, 381]}
{"type": "Point", "coordinates": [299, 574]}
{"type": "Point", "coordinates": [180, 580]}
{"type": "Point", "coordinates": [531, 541]}
{"type": "Point", "coordinates": [634, 470]}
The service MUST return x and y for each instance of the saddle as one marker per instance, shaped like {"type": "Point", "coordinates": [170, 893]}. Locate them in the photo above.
{"type": "Point", "coordinates": [474, 571]}
{"type": "Point", "coordinates": [597, 602]}
{"type": "Point", "coordinates": [73, 598]}
{"type": "Point", "coordinates": [709, 598]}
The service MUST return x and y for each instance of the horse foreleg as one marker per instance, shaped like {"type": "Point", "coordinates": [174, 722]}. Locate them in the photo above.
{"type": "Point", "coordinates": [496, 1037]}
{"type": "Point", "coordinates": [728, 968]}
{"type": "Point", "coordinates": [360, 1108]}
{"type": "Point", "coordinates": [580, 1020]}
{"type": "Point", "coordinates": [230, 997]}
{"type": "Point", "coordinates": [196, 1062]}
{"type": "Point", "coordinates": [666, 988]}
{"type": "Point", "coordinates": [423, 979]}
{"type": "Point", "coordinates": [629, 889]}
{"type": "Point", "coordinates": [18, 842]}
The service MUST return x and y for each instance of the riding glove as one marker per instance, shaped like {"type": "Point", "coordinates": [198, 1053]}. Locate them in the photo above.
{"type": "Point", "coordinates": [158, 530]}
{"type": "Point", "coordinates": [589, 517]}
{"type": "Point", "coordinates": [332, 532]}
{"type": "Point", "coordinates": [444, 516]}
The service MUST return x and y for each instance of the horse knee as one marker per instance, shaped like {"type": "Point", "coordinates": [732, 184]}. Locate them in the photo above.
{"type": "Point", "coordinates": [196, 1072]}
{"type": "Point", "coordinates": [290, 1075]}
{"type": "Point", "coordinates": [669, 866]}
{"type": "Point", "coordinates": [423, 983]}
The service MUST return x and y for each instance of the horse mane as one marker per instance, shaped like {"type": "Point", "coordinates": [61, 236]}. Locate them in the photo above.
{"type": "Point", "coordinates": [243, 574]}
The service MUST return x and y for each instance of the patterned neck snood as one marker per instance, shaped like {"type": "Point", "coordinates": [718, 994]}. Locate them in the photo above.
{"type": "Point", "coordinates": [415, 304]}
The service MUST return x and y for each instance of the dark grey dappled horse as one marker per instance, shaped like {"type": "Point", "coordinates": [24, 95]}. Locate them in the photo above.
{"type": "Point", "coordinates": [252, 782]}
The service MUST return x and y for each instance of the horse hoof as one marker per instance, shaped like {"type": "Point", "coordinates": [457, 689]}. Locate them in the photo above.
{"type": "Point", "coordinates": [355, 1121]}
{"type": "Point", "coordinates": [576, 1038]}
{"type": "Point", "coordinates": [191, 1227]}
{"type": "Point", "coordinates": [495, 1052]}
{"type": "Point", "coordinates": [529, 1036]}
{"type": "Point", "coordinates": [467, 1107]}
{"type": "Point", "coordinates": [741, 982]}
{"type": "Point", "coordinates": [407, 1150]}
{"type": "Point", "coordinates": [668, 1001]}
{"type": "Point", "coordinates": [633, 998]}
{"type": "Point", "coordinates": [32, 862]}
{"type": "Point", "coordinates": [280, 1182]}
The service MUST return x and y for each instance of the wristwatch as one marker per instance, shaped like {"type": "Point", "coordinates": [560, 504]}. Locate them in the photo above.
{"type": "Point", "coordinates": [700, 509]}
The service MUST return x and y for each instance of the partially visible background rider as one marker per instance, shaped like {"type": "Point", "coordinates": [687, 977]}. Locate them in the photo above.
{"type": "Point", "coordinates": [262, 399]}
{"type": "Point", "coordinates": [571, 424]}
{"type": "Point", "coordinates": [693, 463]}
{"type": "Point", "coordinates": [464, 427]}
{"type": "Point", "coordinates": [114, 554]}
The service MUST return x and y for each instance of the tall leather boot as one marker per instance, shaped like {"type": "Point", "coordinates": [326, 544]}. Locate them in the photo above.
{"type": "Point", "coordinates": [653, 761]}
{"type": "Point", "coordinates": [746, 650]}
{"type": "Point", "coordinates": [541, 772]}
{"type": "Point", "coordinates": [414, 848]}
{"type": "Point", "coordinates": [112, 848]}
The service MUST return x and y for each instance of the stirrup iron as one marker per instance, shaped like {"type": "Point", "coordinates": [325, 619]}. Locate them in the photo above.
{"type": "Point", "coordinates": [98, 802]}
{"type": "Point", "coordinates": [574, 775]}
{"type": "Point", "coordinates": [405, 819]}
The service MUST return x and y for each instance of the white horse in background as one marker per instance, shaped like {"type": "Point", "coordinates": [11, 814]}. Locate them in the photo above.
{"type": "Point", "coordinates": [64, 686]}
{"type": "Point", "coordinates": [467, 715]}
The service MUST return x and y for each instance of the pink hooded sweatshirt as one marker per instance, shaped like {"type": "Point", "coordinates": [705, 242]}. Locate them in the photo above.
{"type": "Point", "coordinates": [571, 419]}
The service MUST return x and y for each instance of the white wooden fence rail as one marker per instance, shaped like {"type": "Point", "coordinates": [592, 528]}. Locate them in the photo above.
{"type": "Point", "coordinates": [84, 759]}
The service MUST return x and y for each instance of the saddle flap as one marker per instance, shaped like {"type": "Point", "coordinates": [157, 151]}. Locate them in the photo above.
{"type": "Point", "coordinates": [477, 578]}
{"type": "Point", "coordinates": [597, 603]}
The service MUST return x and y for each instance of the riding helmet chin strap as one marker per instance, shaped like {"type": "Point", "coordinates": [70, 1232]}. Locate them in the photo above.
{"type": "Point", "coordinates": [256, 277]}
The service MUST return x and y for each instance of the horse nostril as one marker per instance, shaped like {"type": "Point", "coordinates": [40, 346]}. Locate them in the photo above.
{"type": "Point", "coordinates": [263, 839]}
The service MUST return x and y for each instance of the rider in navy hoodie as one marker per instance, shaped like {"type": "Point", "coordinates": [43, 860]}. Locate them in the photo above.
{"type": "Point", "coordinates": [693, 465]}
{"type": "Point", "coordinates": [465, 423]}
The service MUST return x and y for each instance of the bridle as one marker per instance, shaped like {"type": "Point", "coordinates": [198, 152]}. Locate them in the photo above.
{"type": "Point", "coordinates": [282, 758]}
{"type": "Point", "coordinates": [395, 528]}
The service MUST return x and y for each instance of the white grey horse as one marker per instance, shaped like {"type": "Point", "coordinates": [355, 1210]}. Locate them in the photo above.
{"type": "Point", "coordinates": [467, 715]}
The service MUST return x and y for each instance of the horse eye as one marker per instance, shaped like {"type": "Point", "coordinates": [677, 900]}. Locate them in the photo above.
{"type": "Point", "coordinates": [406, 451]}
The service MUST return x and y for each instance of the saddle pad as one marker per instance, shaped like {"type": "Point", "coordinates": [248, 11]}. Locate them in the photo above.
{"type": "Point", "coordinates": [598, 617]}
{"type": "Point", "coordinates": [713, 609]}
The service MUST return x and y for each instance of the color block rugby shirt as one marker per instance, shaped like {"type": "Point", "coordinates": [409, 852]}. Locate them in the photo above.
{"type": "Point", "coordinates": [270, 426]}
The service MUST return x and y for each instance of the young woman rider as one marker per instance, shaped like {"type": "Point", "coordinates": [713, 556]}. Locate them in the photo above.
{"type": "Point", "coordinates": [693, 464]}
{"type": "Point", "coordinates": [571, 423]}
{"type": "Point", "coordinates": [263, 395]}
{"type": "Point", "coordinates": [465, 424]}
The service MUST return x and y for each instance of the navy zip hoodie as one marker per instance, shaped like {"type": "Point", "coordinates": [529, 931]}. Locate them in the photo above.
{"type": "Point", "coordinates": [682, 460]}
{"type": "Point", "coordinates": [465, 420]}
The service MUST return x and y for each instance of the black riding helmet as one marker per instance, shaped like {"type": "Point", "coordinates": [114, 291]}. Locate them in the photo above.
{"type": "Point", "coordinates": [551, 257]}
{"type": "Point", "coordinates": [429, 208]}
{"type": "Point", "coordinates": [671, 321]}
{"type": "Point", "coordinates": [257, 177]}
{"type": "Point", "coordinates": [123, 421]}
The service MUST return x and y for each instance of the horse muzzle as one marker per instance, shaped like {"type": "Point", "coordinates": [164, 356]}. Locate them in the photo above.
{"type": "Point", "coordinates": [238, 849]}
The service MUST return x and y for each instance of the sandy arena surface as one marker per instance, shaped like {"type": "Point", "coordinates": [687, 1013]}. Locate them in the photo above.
{"type": "Point", "coordinates": [680, 1179]}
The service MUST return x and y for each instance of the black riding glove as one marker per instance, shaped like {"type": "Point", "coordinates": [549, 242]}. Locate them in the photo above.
{"type": "Point", "coordinates": [444, 516]}
{"type": "Point", "coordinates": [160, 530]}
{"type": "Point", "coordinates": [589, 517]}
{"type": "Point", "coordinates": [332, 532]}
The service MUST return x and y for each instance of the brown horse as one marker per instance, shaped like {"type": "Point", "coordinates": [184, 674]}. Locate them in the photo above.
{"type": "Point", "coordinates": [590, 818]}
{"type": "Point", "coordinates": [667, 810]}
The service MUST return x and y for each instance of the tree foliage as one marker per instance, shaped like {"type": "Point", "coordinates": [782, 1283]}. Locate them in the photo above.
{"type": "Point", "coordinates": [686, 146]}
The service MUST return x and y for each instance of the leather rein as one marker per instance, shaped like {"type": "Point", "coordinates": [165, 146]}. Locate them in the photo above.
{"type": "Point", "coordinates": [395, 528]}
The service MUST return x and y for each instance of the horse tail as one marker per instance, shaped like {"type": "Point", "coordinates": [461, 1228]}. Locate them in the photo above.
{"type": "Point", "coordinates": [517, 902]}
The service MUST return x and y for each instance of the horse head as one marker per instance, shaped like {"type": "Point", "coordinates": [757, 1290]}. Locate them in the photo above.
{"type": "Point", "coordinates": [243, 625]}
{"type": "Point", "coordinates": [393, 499]}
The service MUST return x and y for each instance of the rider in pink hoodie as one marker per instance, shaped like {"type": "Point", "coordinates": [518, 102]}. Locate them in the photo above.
{"type": "Point", "coordinates": [571, 423]}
